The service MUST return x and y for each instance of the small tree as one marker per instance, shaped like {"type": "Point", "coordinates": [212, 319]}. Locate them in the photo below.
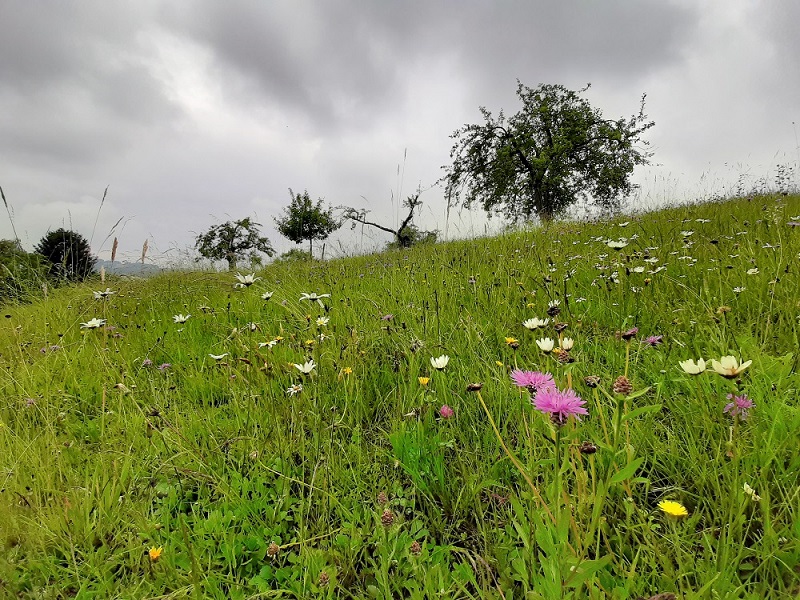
{"type": "Point", "coordinates": [538, 162]}
{"type": "Point", "coordinates": [68, 253]}
{"type": "Point", "coordinates": [232, 241]}
{"type": "Point", "coordinates": [404, 236]}
{"type": "Point", "coordinates": [304, 220]}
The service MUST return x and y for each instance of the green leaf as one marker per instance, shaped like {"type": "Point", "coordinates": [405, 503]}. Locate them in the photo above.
{"type": "Point", "coordinates": [643, 410]}
{"type": "Point", "coordinates": [627, 471]}
{"type": "Point", "coordinates": [639, 393]}
{"type": "Point", "coordinates": [586, 569]}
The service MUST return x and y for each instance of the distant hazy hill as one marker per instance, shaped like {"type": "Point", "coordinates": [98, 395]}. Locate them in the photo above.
{"type": "Point", "coordinates": [128, 268]}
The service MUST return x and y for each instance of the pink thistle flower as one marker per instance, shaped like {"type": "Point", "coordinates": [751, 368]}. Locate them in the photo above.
{"type": "Point", "coordinates": [739, 407]}
{"type": "Point", "coordinates": [533, 380]}
{"type": "Point", "coordinates": [559, 405]}
{"type": "Point", "coordinates": [446, 412]}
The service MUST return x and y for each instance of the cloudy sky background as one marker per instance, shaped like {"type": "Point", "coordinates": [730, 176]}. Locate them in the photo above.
{"type": "Point", "coordinates": [196, 113]}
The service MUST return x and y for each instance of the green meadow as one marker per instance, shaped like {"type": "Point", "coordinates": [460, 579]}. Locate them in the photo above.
{"type": "Point", "coordinates": [300, 437]}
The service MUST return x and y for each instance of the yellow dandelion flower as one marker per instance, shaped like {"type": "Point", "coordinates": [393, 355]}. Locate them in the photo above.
{"type": "Point", "coordinates": [510, 341]}
{"type": "Point", "coordinates": [673, 509]}
{"type": "Point", "coordinates": [155, 553]}
{"type": "Point", "coordinates": [499, 363]}
{"type": "Point", "coordinates": [423, 381]}
{"type": "Point", "coordinates": [347, 371]}
{"type": "Point", "coordinates": [310, 342]}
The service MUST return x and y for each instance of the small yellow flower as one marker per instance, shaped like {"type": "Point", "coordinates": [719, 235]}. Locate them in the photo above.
{"type": "Point", "coordinates": [155, 553]}
{"type": "Point", "coordinates": [347, 371]}
{"type": "Point", "coordinates": [511, 340]}
{"type": "Point", "coordinates": [673, 509]}
{"type": "Point", "coordinates": [423, 381]}
{"type": "Point", "coordinates": [278, 338]}
{"type": "Point", "coordinates": [310, 342]}
{"type": "Point", "coordinates": [499, 363]}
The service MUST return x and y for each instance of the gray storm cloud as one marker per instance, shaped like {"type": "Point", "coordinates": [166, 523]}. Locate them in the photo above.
{"type": "Point", "coordinates": [195, 113]}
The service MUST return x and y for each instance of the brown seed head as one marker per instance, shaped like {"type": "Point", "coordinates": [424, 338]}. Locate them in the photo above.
{"type": "Point", "coordinates": [323, 579]}
{"type": "Point", "coordinates": [559, 327]}
{"type": "Point", "coordinates": [382, 498]}
{"type": "Point", "coordinates": [587, 448]}
{"type": "Point", "coordinates": [416, 548]}
{"type": "Point", "coordinates": [474, 387]}
{"type": "Point", "coordinates": [273, 549]}
{"type": "Point", "coordinates": [387, 518]}
{"type": "Point", "coordinates": [592, 381]}
{"type": "Point", "coordinates": [563, 356]}
{"type": "Point", "coordinates": [622, 385]}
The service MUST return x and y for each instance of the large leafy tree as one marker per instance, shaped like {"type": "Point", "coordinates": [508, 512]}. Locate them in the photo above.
{"type": "Point", "coordinates": [69, 254]}
{"type": "Point", "coordinates": [556, 150]}
{"type": "Point", "coordinates": [233, 241]}
{"type": "Point", "coordinates": [305, 219]}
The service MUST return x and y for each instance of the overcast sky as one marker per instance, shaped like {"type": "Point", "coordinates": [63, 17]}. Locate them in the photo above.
{"type": "Point", "coordinates": [198, 112]}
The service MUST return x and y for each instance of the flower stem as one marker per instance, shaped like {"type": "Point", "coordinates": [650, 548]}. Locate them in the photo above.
{"type": "Point", "coordinates": [515, 461]}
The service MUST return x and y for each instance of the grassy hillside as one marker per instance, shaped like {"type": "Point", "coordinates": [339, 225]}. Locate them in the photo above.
{"type": "Point", "coordinates": [149, 458]}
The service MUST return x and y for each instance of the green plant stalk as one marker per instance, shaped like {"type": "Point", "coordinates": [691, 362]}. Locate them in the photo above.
{"type": "Point", "coordinates": [515, 461]}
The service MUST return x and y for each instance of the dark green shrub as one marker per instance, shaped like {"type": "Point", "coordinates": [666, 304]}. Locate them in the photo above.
{"type": "Point", "coordinates": [68, 253]}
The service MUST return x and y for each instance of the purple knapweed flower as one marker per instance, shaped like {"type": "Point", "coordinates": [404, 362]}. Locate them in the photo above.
{"type": "Point", "coordinates": [147, 362]}
{"type": "Point", "coordinates": [388, 317]}
{"type": "Point", "coordinates": [653, 340]}
{"type": "Point", "coordinates": [164, 366]}
{"type": "Point", "coordinates": [532, 380]}
{"type": "Point", "coordinates": [559, 405]}
{"type": "Point", "coordinates": [628, 335]}
{"type": "Point", "coordinates": [739, 406]}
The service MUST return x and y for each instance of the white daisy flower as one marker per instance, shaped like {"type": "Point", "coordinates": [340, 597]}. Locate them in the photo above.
{"type": "Point", "coordinates": [616, 244]}
{"type": "Point", "coordinates": [93, 323]}
{"type": "Point", "coordinates": [312, 297]}
{"type": "Point", "coordinates": [180, 318]}
{"type": "Point", "coordinates": [246, 280]}
{"type": "Point", "coordinates": [693, 368]}
{"type": "Point", "coordinates": [535, 323]}
{"type": "Point", "coordinates": [305, 368]}
{"type": "Point", "coordinates": [441, 362]}
{"type": "Point", "coordinates": [103, 295]}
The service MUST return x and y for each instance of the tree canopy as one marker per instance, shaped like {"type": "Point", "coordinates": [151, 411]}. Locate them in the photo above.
{"type": "Point", "coordinates": [233, 241]}
{"type": "Point", "coordinates": [304, 220]}
{"type": "Point", "coordinates": [69, 254]}
{"type": "Point", "coordinates": [556, 150]}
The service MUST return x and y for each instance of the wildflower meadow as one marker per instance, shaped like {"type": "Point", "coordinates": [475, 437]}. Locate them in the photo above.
{"type": "Point", "coordinates": [582, 410]}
